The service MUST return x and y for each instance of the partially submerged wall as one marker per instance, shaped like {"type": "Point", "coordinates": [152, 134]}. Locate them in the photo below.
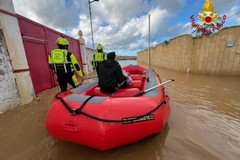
{"type": "Point", "coordinates": [216, 54]}
{"type": "Point", "coordinates": [89, 55]}
{"type": "Point", "coordinates": [16, 87]}
{"type": "Point", "coordinates": [9, 97]}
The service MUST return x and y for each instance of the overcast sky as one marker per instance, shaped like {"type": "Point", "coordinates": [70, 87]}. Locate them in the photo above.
{"type": "Point", "coordinates": [122, 25]}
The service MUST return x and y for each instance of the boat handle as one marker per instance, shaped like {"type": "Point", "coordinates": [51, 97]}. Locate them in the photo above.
{"type": "Point", "coordinates": [71, 128]}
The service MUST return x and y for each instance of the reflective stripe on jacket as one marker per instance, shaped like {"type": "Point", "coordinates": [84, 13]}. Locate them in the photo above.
{"type": "Point", "coordinates": [63, 58]}
{"type": "Point", "coordinates": [99, 57]}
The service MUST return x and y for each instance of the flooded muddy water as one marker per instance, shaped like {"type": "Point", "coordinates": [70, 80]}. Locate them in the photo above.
{"type": "Point", "coordinates": [204, 125]}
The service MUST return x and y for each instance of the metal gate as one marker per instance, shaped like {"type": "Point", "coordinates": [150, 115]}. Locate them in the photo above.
{"type": "Point", "coordinates": [38, 41]}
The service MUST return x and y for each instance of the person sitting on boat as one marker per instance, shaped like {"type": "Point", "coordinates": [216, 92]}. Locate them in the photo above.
{"type": "Point", "coordinates": [64, 63]}
{"type": "Point", "coordinates": [110, 75]}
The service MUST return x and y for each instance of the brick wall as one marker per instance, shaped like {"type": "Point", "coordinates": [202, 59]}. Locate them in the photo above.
{"type": "Point", "coordinates": [206, 54]}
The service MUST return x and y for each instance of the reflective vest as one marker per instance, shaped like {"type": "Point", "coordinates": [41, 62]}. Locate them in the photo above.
{"type": "Point", "coordinates": [98, 58]}
{"type": "Point", "coordinates": [62, 59]}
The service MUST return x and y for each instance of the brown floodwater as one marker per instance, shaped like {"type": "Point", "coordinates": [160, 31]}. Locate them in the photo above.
{"type": "Point", "coordinates": [204, 125]}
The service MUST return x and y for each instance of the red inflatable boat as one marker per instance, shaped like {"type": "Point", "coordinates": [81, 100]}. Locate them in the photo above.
{"type": "Point", "coordinates": [88, 117]}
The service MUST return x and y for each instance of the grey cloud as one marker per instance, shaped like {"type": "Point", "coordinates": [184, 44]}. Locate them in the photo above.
{"type": "Point", "coordinates": [222, 6]}
{"type": "Point", "coordinates": [233, 14]}
{"type": "Point", "coordinates": [119, 12]}
{"type": "Point", "coordinates": [54, 13]}
{"type": "Point", "coordinates": [119, 25]}
{"type": "Point", "coordinates": [172, 6]}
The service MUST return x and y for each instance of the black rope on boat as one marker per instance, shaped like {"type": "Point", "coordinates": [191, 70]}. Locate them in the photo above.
{"type": "Point", "coordinates": [78, 111]}
{"type": "Point", "coordinates": [121, 121]}
{"type": "Point", "coordinates": [64, 103]}
{"type": "Point", "coordinates": [74, 111]}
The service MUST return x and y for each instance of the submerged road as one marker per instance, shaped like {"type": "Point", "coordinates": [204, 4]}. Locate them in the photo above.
{"type": "Point", "coordinates": [204, 125]}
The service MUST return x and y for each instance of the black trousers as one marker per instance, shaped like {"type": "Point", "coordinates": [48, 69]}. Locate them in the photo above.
{"type": "Point", "coordinates": [110, 90]}
{"type": "Point", "coordinates": [64, 79]}
{"type": "Point", "coordinates": [97, 64]}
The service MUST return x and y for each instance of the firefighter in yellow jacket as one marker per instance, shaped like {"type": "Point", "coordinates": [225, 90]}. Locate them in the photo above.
{"type": "Point", "coordinates": [98, 57]}
{"type": "Point", "coordinates": [64, 63]}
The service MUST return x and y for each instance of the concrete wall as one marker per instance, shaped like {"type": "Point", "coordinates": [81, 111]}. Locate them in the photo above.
{"type": "Point", "coordinates": [86, 53]}
{"type": "Point", "coordinates": [89, 55]}
{"type": "Point", "coordinates": [16, 88]}
{"type": "Point", "coordinates": [9, 97]}
{"type": "Point", "coordinates": [206, 55]}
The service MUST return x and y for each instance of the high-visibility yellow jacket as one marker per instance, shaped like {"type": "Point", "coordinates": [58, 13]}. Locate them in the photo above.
{"type": "Point", "coordinates": [98, 57]}
{"type": "Point", "coordinates": [64, 59]}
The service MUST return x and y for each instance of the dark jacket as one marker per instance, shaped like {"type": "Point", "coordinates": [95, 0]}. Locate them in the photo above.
{"type": "Point", "coordinates": [110, 76]}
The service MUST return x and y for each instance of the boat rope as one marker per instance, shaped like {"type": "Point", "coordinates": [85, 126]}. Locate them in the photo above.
{"type": "Point", "coordinates": [78, 111]}
{"type": "Point", "coordinates": [121, 121]}
{"type": "Point", "coordinates": [64, 103]}
{"type": "Point", "coordinates": [74, 111]}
